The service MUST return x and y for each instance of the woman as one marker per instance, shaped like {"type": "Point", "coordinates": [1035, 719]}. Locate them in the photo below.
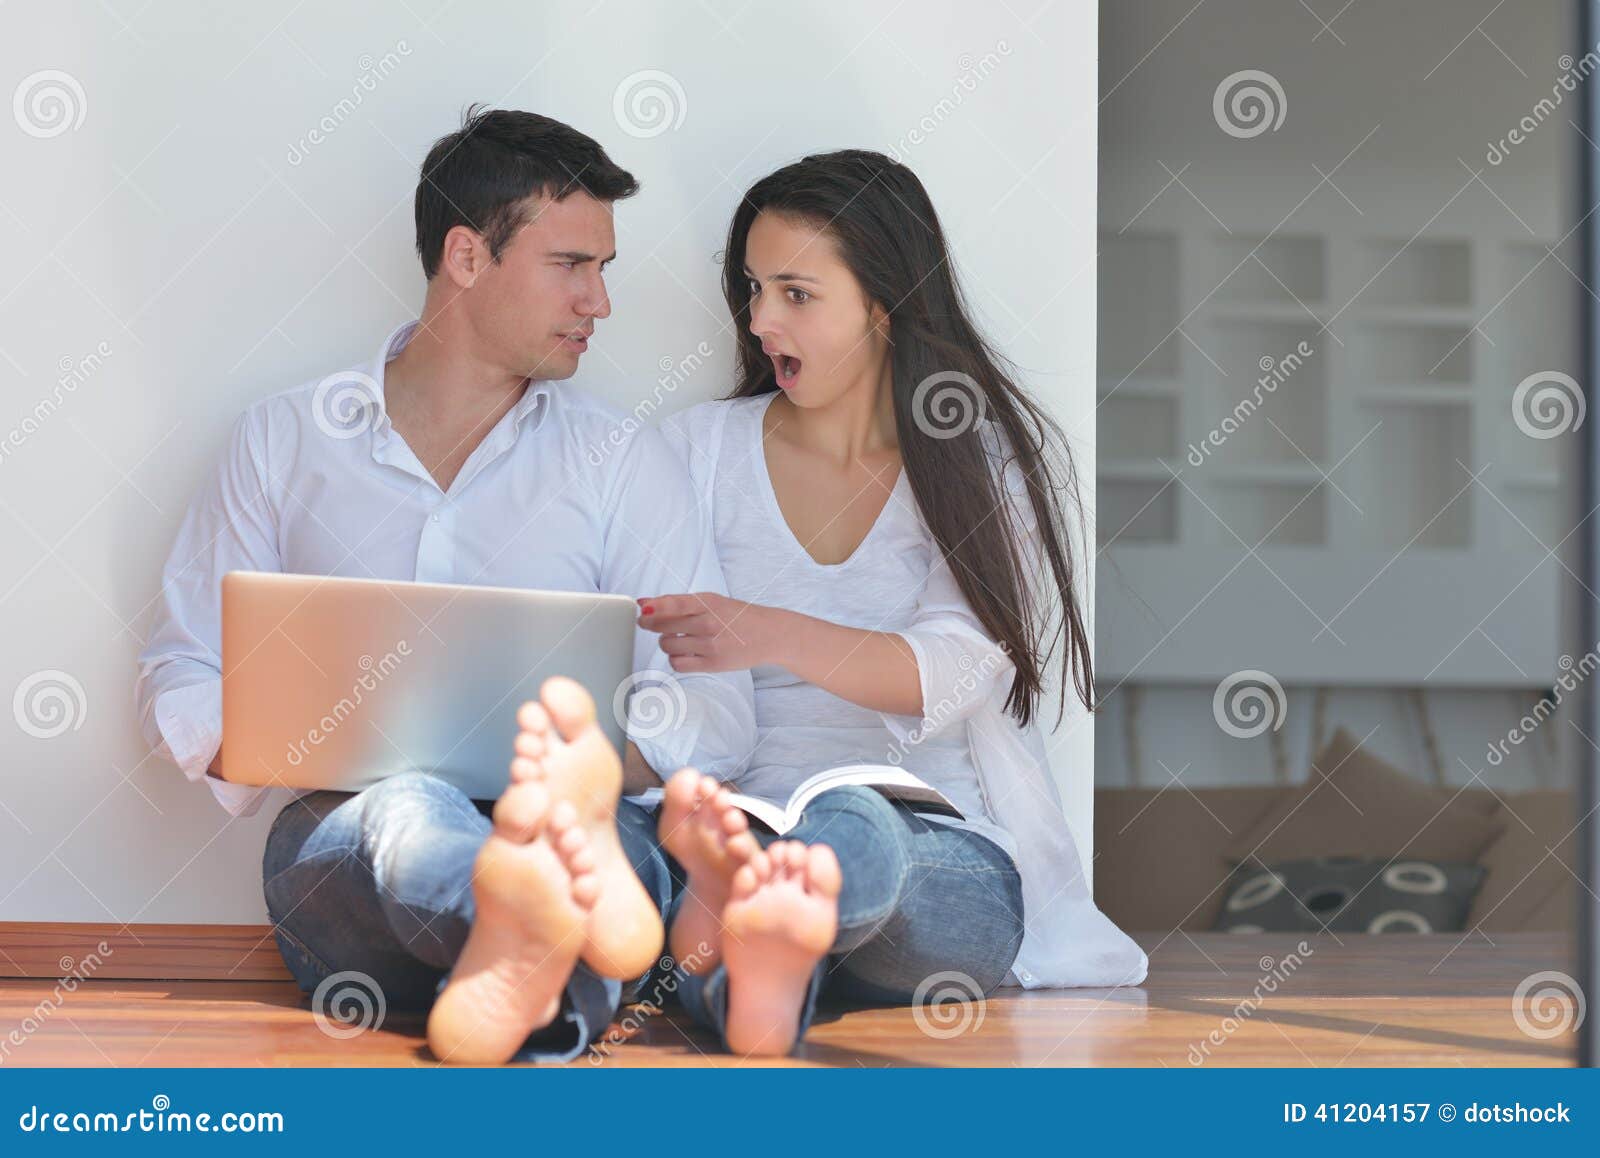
{"type": "Point", "coordinates": [887, 509]}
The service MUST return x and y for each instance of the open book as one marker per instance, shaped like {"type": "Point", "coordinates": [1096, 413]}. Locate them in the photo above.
{"type": "Point", "coordinates": [895, 783]}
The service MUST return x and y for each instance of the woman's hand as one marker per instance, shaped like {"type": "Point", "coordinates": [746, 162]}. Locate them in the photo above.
{"type": "Point", "coordinates": [706, 632]}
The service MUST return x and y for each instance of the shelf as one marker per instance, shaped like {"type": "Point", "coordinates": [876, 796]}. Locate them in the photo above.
{"type": "Point", "coordinates": [1262, 311]}
{"type": "Point", "coordinates": [1139, 387]}
{"type": "Point", "coordinates": [1276, 514]}
{"type": "Point", "coordinates": [1463, 316]}
{"type": "Point", "coordinates": [1406, 352]}
{"type": "Point", "coordinates": [1278, 413]}
{"type": "Point", "coordinates": [1138, 303]}
{"type": "Point", "coordinates": [1279, 268]}
{"type": "Point", "coordinates": [1415, 272]}
{"type": "Point", "coordinates": [1132, 427]}
{"type": "Point", "coordinates": [1136, 512]}
{"type": "Point", "coordinates": [1135, 469]}
{"type": "Point", "coordinates": [1411, 473]}
{"type": "Point", "coordinates": [1417, 394]}
{"type": "Point", "coordinates": [1270, 473]}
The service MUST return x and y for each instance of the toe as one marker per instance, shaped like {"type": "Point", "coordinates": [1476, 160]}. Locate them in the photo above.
{"type": "Point", "coordinates": [572, 839]}
{"type": "Point", "coordinates": [744, 882]}
{"type": "Point", "coordinates": [521, 811]}
{"type": "Point", "coordinates": [680, 790]}
{"type": "Point", "coordinates": [571, 708]}
{"type": "Point", "coordinates": [586, 888]}
{"type": "Point", "coordinates": [564, 815]}
{"type": "Point", "coordinates": [823, 874]}
{"type": "Point", "coordinates": [523, 769]}
{"type": "Point", "coordinates": [734, 822]}
{"type": "Point", "coordinates": [741, 847]}
{"type": "Point", "coordinates": [532, 717]}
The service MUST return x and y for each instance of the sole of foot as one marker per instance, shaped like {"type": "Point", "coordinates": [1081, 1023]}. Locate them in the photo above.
{"type": "Point", "coordinates": [534, 885]}
{"type": "Point", "coordinates": [711, 839]}
{"type": "Point", "coordinates": [561, 747]}
{"type": "Point", "coordinates": [781, 917]}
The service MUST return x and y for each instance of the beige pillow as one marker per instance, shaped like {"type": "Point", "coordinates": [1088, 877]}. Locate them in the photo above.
{"type": "Point", "coordinates": [1520, 874]}
{"type": "Point", "coordinates": [1158, 862]}
{"type": "Point", "coordinates": [1354, 804]}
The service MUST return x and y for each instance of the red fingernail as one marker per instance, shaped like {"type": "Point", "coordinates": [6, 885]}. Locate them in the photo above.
{"type": "Point", "coordinates": [648, 610]}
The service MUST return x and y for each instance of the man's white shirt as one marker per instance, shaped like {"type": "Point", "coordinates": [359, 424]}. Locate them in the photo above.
{"type": "Point", "coordinates": [565, 493]}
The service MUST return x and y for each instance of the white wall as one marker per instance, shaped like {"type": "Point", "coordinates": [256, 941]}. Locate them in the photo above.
{"type": "Point", "coordinates": [194, 244]}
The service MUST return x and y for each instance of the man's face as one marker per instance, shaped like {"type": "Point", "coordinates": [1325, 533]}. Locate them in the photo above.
{"type": "Point", "coordinates": [538, 305]}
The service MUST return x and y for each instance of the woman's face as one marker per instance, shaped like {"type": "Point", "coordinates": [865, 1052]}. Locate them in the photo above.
{"type": "Point", "coordinates": [825, 338]}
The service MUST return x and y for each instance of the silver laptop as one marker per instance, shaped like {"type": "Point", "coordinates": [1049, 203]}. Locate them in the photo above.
{"type": "Point", "coordinates": [339, 683]}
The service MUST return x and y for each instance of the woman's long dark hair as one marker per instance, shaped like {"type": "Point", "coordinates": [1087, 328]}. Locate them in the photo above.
{"type": "Point", "coordinates": [883, 223]}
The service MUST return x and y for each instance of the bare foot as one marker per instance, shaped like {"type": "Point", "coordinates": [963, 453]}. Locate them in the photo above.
{"type": "Point", "coordinates": [779, 921]}
{"type": "Point", "coordinates": [710, 838]}
{"type": "Point", "coordinates": [561, 746]}
{"type": "Point", "coordinates": [534, 885]}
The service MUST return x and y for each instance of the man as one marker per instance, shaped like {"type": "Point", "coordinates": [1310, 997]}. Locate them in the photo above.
{"type": "Point", "coordinates": [454, 457]}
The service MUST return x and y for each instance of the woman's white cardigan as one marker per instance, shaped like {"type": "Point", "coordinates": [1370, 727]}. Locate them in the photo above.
{"type": "Point", "coordinates": [1067, 941]}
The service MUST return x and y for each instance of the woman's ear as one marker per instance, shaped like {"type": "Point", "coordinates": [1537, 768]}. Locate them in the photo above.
{"type": "Point", "coordinates": [878, 320]}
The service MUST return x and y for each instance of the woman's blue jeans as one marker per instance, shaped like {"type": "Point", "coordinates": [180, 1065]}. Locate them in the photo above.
{"type": "Point", "coordinates": [378, 884]}
{"type": "Point", "coordinates": [927, 910]}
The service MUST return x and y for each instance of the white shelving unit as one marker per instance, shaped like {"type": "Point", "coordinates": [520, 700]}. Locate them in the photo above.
{"type": "Point", "coordinates": [1343, 509]}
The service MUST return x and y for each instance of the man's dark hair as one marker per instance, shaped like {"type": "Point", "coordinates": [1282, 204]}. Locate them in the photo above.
{"type": "Point", "coordinates": [483, 174]}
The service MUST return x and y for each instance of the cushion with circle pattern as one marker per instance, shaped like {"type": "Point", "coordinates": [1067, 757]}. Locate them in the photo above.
{"type": "Point", "coordinates": [1346, 894]}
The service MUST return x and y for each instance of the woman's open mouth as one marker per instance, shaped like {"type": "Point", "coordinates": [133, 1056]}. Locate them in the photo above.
{"type": "Point", "coordinates": [786, 368]}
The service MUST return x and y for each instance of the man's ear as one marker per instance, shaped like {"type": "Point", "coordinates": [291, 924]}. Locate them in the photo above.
{"type": "Point", "coordinates": [464, 256]}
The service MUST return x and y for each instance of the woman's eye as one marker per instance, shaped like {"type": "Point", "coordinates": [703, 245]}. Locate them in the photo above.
{"type": "Point", "coordinates": [755, 287]}
{"type": "Point", "coordinates": [798, 296]}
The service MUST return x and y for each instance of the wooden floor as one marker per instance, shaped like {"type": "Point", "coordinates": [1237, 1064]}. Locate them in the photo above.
{"type": "Point", "coordinates": [1370, 1001]}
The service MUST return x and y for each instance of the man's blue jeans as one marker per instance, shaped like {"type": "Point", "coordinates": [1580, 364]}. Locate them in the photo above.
{"type": "Point", "coordinates": [379, 883]}
{"type": "Point", "coordinates": [924, 906]}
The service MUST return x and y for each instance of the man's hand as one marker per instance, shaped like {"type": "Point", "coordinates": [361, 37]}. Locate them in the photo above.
{"type": "Point", "coordinates": [706, 632]}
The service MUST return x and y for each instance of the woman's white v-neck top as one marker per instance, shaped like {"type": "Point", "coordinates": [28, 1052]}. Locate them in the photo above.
{"type": "Point", "coordinates": [964, 744]}
{"type": "Point", "coordinates": [800, 727]}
